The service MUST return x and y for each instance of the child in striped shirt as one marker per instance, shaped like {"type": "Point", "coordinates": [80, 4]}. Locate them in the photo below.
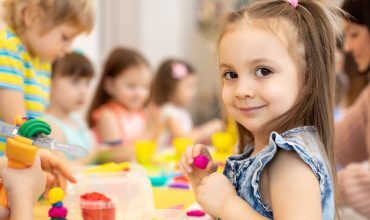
{"type": "Point", "coordinates": [36, 33]}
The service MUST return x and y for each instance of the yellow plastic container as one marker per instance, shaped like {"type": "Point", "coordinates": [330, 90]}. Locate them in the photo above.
{"type": "Point", "coordinates": [222, 141]}
{"type": "Point", "coordinates": [144, 151]}
{"type": "Point", "coordinates": [180, 145]}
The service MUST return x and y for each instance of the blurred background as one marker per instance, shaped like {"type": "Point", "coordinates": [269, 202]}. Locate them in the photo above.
{"type": "Point", "coordinates": [183, 29]}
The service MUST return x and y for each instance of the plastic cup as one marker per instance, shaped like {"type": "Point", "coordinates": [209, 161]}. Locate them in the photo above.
{"type": "Point", "coordinates": [97, 210]}
{"type": "Point", "coordinates": [144, 151]}
{"type": "Point", "coordinates": [168, 214]}
{"type": "Point", "coordinates": [180, 145]}
{"type": "Point", "coordinates": [222, 141]}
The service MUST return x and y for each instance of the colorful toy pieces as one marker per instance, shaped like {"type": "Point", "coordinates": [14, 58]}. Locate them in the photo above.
{"type": "Point", "coordinates": [23, 140]}
{"type": "Point", "coordinates": [57, 212]}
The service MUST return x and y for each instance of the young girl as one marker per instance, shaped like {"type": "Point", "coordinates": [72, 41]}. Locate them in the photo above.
{"type": "Point", "coordinates": [117, 112]}
{"type": "Point", "coordinates": [37, 32]}
{"type": "Point", "coordinates": [71, 76]}
{"type": "Point", "coordinates": [278, 71]}
{"type": "Point", "coordinates": [173, 89]}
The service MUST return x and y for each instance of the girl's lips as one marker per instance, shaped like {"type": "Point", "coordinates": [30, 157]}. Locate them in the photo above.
{"type": "Point", "coordinates": [250, 110]}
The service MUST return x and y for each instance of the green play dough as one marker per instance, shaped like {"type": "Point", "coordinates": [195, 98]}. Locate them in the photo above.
{"type": "Point", "coordinates": [34, 126]}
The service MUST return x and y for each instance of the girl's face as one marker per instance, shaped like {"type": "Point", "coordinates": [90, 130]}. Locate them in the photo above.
{"type": "Point", "coordinates": [357, 42]}
{"type": "Point", "coordinates": [69, 92]}
{"type": "Point", "coordinates": [185, 91]}
{"type": "Point", "coordinates": [260, 79]}
{"type": "Point", "coordinates": [131, 87]}
{"type": "Point", "coordinates": [51, 45]}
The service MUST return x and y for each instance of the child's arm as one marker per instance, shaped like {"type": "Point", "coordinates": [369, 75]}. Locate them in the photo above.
{"type": "Point", "coordinates": [23, 187]}
{"type": "Point", "coordinates": [110, 132]}
{"type": "Point", "coordinates": [11, 104]}
{"type": "Point", "coordinates": [293, 188]}
{"type": "Point", "coordinates": [217, 196]}
{"type": "Point", "coordinates": [293, 184]}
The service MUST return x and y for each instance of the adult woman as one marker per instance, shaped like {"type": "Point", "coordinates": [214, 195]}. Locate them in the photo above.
{"type": "Point", "coordinates": [352, 133]}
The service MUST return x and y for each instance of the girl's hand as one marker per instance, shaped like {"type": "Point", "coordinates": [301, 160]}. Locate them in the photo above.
{"type": "Point", "coordinates": [194, 174]}
{"type": "Point", "coordinates": [213, 193]}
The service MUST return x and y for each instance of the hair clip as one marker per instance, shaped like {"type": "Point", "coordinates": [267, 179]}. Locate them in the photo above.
{"type": "Point", "coordinates": [179, 70]}
{"type": "Point", "coordinates": [294, 3]}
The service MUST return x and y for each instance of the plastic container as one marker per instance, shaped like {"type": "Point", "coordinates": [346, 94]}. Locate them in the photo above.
{"type": "Point", "coordinates": [180, 145]}
{"type": "Point", "coordinates": [98, 210]}
{"type": "Point", "coordinates": [144, 151]}
{"type": "Point", "coordinates": [130, 191]}
{"type": "Point", "coordinates": [222, 141]}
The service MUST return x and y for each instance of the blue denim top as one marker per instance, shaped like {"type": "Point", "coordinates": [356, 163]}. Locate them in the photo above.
{"type": "Point", "coordinates": [244, 171]}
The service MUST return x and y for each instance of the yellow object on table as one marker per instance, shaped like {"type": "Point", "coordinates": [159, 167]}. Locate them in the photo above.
{"type": "Point", "coordinates": [144, 151]}
{"type": "Point", "coordinates": [180, 145]}
{"type": "Point", "coordinates": [108, 167]}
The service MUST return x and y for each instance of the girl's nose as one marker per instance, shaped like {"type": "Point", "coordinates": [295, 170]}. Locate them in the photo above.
{"type": "Point", "coordinates": [347, 46]}
{"type": "Point", "coordinates": [244, 89]}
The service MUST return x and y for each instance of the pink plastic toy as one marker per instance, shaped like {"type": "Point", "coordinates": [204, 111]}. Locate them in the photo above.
{"type": "Point", "coordinates": [195, 213]}
{"type": "Point", "coordinates": [201, 162]}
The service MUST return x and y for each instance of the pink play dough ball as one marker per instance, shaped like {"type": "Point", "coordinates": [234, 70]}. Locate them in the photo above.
{"type": "Point", "coordinates": [58, 212]}
{"type": "Point", "coordinates": [201, 161]}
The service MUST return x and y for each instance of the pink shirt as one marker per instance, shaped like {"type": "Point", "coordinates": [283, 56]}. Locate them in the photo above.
{"type": "Point", "coordinates": [131, 124]}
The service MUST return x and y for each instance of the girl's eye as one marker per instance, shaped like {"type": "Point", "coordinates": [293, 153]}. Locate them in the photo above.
{"type": "Point", "coordinates": [263, 72]}
{"type": "Point", "coordinates": [65, 38]}
{"type": "Point", "coordinates": [230, 75]}
{"type": "Point", "coordinates": [353, 35]}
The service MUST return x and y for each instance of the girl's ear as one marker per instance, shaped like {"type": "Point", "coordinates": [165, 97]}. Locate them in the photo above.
{"type": "Point", "coordinates": [31, 15]}
{"type": "Point", "coordinates": [108, 85]}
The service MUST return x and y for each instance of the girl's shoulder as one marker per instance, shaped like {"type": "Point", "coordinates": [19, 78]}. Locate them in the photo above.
{"type": "Point", "coordinates": [113, 110]}
{"type": "Point", "coordinates": [304, 141]}
{"type": "Point", "coordinates": [170, 110]}
{"type": "Point", "coordinates": [298, 147]}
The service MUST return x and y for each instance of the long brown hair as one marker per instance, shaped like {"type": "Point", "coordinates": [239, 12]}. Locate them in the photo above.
{"type": "Point", "coordinates": [312, 30]}
{"type": "Point", "coordinates": [118, 61]}
{"type": "Point", "coordinates": [164, 83]}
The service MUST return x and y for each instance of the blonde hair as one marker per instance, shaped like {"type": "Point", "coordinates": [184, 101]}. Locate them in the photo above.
{"type": "Point", "coordinates": [78, 13]}
{"type": "Point", "coordinates": [312, 30]}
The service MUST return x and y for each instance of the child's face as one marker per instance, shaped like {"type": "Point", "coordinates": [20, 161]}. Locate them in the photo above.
{"type": "Point", "coordinates": [260, 78]}
{"type": "Point", "coordinates": [70, 92]}
{"type": "Point", "coordinates": [50, 45]}
{"type": "Point", "coordinates": [185, 91]}
{"type": "Point", "coordinates": [130, 87]}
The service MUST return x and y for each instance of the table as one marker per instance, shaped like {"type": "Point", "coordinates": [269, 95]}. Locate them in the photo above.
{"type": "Point", "coordinates": [163, 198]}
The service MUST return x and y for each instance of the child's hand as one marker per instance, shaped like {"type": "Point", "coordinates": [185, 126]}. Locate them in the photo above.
{"type": "Point", "coordinates": [24, 184]}
{"type": "Point", "coordinates": [194, 174]}
{"type": "Point", "coordinates": [56, 169]}
{"type": "Point", "coordinates": [213, 192]}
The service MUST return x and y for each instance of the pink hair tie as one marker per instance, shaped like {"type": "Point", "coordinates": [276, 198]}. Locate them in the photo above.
{"type": "Point", "coordinates": [179, 71]}
{"type": "Point", "coordinates": [294, 3]}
